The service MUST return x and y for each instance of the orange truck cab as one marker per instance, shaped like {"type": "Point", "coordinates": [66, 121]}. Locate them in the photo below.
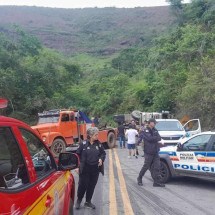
{"type": "Point", "coordinates": [61, 128]}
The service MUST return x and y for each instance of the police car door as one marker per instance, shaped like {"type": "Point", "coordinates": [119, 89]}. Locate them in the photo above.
{"type": "Point", "coordinates": [210, 159]}
{"type": "Point", "coordinates": [192, 127]}
{"type": "Point", "coordinates": [191, 158]}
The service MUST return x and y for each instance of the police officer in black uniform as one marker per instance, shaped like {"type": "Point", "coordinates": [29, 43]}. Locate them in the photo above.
{"type": "Point", "coordinates": [151, 138]}
{"type": "Point", "coordinates": [92, 156]}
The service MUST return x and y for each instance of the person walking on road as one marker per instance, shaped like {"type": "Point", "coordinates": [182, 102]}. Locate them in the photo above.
{"type": "Point", "coordinates": [92, 156]}
{"type": "Point", "coordinates": [151, 138]}
{"type": "Point", "coordinates": [121, 135]}
{"type": "Point", "coordinates": [141, 132]}
{"type": "Point", "coordinates": [134, 126]}
{"type": "Point", "coordinates": [133, 123]}
{"type": "Point", "coordinates": [131, 134]}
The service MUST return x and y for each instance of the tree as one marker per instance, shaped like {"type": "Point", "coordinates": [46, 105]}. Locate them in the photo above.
{"type": "Point", "coordinates": [201, 11]}
{"type": "Point", "coordinates": [177, 9]}
{"type": "Point", "coordinates": [198, 96]}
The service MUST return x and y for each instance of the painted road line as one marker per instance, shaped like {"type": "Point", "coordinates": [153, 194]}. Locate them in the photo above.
{"type": "Point", "coordinates": [126, 201]}
{"type": "Point", "coordinates": [112, 192]}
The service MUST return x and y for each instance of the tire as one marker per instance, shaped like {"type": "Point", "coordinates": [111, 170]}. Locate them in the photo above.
{"type": "Point", "coordinates": [111, 140]}
{"type": "Point", "coordinates": [165, 172]}
{"type": "Point", "coordinates": [58, 146]}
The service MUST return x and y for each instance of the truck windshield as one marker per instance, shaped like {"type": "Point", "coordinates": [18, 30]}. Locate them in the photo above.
{"type": "Point", "coordinates": [169, 126]}
{"type": "Point", "coordinates": [48, 119]}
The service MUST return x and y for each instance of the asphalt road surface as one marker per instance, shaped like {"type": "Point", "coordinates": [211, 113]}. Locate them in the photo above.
{"type": "Point", "coordinates": [117, 191]}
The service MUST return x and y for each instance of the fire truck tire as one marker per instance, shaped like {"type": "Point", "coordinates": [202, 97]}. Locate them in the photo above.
{"type": "Point", "coordinates": [58, 146]}
{"type": "Point", "coordinates": [111, 140]}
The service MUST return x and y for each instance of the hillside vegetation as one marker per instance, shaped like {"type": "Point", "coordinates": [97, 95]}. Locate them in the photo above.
{"type": "Point", "coordinates": [92, 30]}
{"type": "Point", "coordinates": [173, 71]}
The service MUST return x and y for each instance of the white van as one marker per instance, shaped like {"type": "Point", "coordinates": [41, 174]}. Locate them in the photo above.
{"type": "Point", "coordinates": [172, 131]}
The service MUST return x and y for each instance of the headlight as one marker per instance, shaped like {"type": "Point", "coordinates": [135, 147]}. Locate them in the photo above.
{"type": "Point", "coordinates": [44, 139]}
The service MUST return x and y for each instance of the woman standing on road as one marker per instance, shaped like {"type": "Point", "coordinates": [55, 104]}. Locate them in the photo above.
{"type": "Point", "coordinates": [92, 156]}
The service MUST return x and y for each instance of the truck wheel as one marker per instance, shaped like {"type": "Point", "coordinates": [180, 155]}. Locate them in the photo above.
{"type": "Point", "coordinates": [111, 140]}
{"type": "Point", "coordinates": [58, 146]}
{"type": "Point", "coordinates": [165, 173]}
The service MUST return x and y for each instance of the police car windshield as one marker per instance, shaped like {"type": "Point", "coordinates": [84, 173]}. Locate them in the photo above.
{"type": "Point", "coordinates": [169, 126]}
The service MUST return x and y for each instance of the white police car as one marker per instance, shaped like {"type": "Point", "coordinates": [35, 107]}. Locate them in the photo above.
{"type": "Point", "coordinates": [195, 158]}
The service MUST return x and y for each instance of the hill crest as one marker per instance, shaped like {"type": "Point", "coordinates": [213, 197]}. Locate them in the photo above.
{"type": "Point", "coordinates": [101, 31]}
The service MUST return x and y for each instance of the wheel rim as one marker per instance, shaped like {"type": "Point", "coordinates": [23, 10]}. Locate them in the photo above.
{"type": "Point", "coordinates": [58, 147]}
{"type": "Point", "coordinates": [163, 171]}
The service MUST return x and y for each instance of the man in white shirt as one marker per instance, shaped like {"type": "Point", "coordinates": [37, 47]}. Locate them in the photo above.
{"type": "Point", "coordinates": [131, 134]}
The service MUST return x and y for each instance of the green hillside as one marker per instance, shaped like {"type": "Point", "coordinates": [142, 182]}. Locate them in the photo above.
{"type": "Point", "coordinates": [170, 69]}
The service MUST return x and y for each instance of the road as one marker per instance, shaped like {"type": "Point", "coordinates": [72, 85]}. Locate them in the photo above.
{"type": "Point", "coordinates": [118, 193]}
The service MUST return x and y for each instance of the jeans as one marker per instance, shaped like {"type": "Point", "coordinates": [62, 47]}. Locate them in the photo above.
{"type": "Point", "coordinates": [122, 141]}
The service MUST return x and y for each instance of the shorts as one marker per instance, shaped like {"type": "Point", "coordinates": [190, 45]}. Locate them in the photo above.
{"type": "Point", "coordinates": [131, 146]}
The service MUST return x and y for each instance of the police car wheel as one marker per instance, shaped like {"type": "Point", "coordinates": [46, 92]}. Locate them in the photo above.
{"type": "Point", "coordinates": [165, 173]}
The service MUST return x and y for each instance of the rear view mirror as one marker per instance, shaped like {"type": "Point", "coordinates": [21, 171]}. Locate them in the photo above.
{"type": "Point", "coordinates": [68, 161]}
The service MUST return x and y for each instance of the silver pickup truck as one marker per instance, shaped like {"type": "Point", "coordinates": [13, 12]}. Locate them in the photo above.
{"type": "Point", "coordinates": [172, 131]}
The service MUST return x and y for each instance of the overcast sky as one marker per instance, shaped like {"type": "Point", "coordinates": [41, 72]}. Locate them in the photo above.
{"type": "Point", "coordinates": [87, 3]}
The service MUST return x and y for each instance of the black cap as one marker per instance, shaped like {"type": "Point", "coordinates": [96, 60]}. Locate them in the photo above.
{"type": "Point", "coordinates": [152, 120]}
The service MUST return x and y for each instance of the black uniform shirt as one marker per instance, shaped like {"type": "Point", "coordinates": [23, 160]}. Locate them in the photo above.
{"type": "Point", "coordinates": [121, 130]}
{"type": "Point", "coordinates": [91, 153]}
{"type": "Point", "coordinates": [151, 137]}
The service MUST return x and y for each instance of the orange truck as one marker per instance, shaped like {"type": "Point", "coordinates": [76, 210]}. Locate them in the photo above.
{"type": "Point", "coordinates": [62, 128]}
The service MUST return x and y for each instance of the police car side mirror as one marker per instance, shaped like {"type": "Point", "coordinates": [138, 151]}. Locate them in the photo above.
{"type": "Point", "coordinates": [68, 161]}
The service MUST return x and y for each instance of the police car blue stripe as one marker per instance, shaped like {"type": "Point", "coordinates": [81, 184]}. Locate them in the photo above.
{"type": "Point", "coordinates": [163, 152]}
{"type": "Point", "coordinates": [200, 153]}
{"type": "Point", "coordinates": [169, 153]}
{"type": "Point", "coordinates": [210, 154]}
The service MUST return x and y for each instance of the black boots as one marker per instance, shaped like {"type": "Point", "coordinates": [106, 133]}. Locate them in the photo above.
{"type": "Point", "coordinates": [78, 204]}
{"type": "Point", "coordinates": [139, 182]}
{"type": "Point", "coordinates": [89, 205]}
{"type": "Point", "coordinates": [156, 184]}
{"type": "Point", "coordinates": [86, 204]}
